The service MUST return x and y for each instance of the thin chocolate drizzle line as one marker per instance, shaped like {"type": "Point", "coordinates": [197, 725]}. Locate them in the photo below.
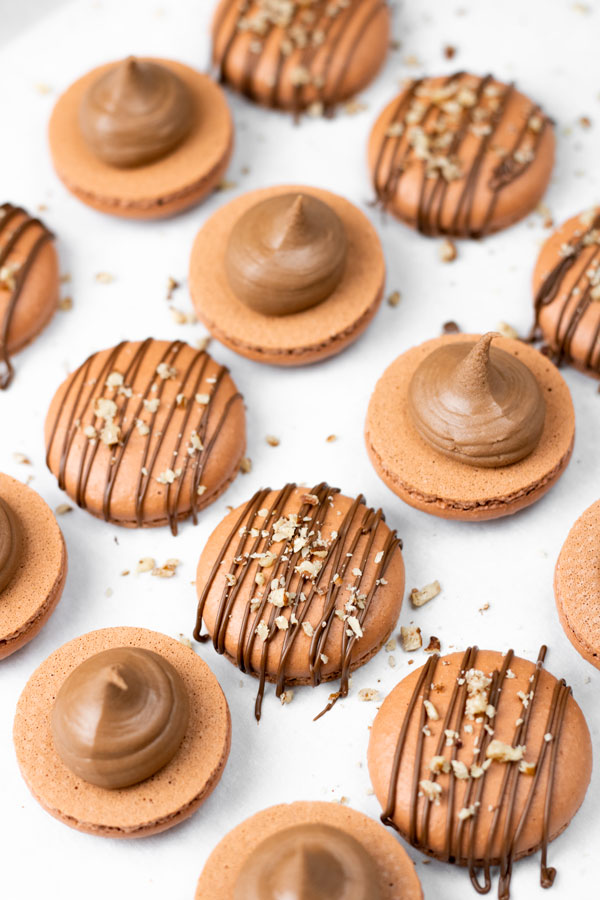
{"type": "Point", "coordinates": [505, 804]}
{"type": "Point", "coordinates": [80, 401]}
{"type": "Point", "coordinates": [549, 290]}
{"type": "Point", "coordinates": [339, 553]}
{"type": "Point", "coordinates": [8, 213]}
{"type": "Point", "coordinates": [334, 29]}
{"type": "Point", "coordinates": [429, 216]}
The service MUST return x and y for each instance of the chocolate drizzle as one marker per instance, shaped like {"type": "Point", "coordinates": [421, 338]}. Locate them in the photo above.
{"type": "Point", "coordinates": [307, 28]}
{"type": "Point", "coordinates": [409, 142]}
{"type": "Point", "coordinates": [346, 554]}
{"type": "Point", "coordinates": [14, 223]}
{"type": "Point", "coordinates": [579, 298]}
{"type": "Point", "coordinates": [461, 833]}
{"type": "Point", "coordinates": [78, 411]}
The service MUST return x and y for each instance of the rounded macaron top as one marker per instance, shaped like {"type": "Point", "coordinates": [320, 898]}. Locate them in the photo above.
{"type": "Point", "coordinates": [566, 290]}
{"type": "Point", "coordinates": [461, 155]}
{"type": "Point", "coordinates": [577, 584]}
{"type": "Point", "coordinates": [300, 585]}
{"type": "Point", "coordinates": [146, 433]}
{"type": "Point", "coordinates": [480, 758]}
{"type": "Point", "coordinates": [297, 55]}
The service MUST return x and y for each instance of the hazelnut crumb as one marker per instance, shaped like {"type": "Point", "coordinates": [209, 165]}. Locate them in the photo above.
{"type": "Point", "coordinates": [245, 465]}
{"type": "Point", "coordinates": [166, 571]}
{"type": "Point", "coordinates": [434, 645]}
{"type": "Point", "coordinates": [272, 441]}
{"type": "Point", "coordinates": [419, 597]}
{"type": "Point", "coordinates": [507, 331]}
{"type": "Point", "coordinates": [65, 303]}
{"type": "Point", "coordinates": [448, 251]}
{"type": "Point", "coordinates": [63, 508]}
{"type": "Point", "coordinates": [394, 298]}
{"type": "Point", "coordinates": [104, 277]}
{"type": "Point", "coordinates": [145, 564]}
{"type": "Point", "coordinates": [286, 697]}
{"type": "Point", "coordinates": [331, 438]}
{"type": "Point", "coordinates": [21, 459]}
{"type": "Point", "coordinates": [368, 694]}
{"type": "Point", "coordinates": [450, 328]}
{"type": "Point", "coordinates": [410, 638]}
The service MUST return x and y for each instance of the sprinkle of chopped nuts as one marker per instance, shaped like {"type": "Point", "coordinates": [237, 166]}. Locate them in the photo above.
{"type": "Point", "coordinates": [439, 764]}
{"type": "Point", "coordinates": [432, 790]}
{"type": "Point", "coordinates": [166, 571]}
{"type": "Point", "coordinates": [410, 638]}
{"type": "Point", "coordinates": [262, 630]}
{"type": "Point", "coordinates": [419, 597]}
{"type": "Point", "coordinates": [165, 371]}
{"type": "Point", "coordinates": [503, 752]}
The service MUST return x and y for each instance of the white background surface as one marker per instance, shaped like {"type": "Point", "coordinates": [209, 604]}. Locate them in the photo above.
{"type": "Point", "coordinates": [551, 49]}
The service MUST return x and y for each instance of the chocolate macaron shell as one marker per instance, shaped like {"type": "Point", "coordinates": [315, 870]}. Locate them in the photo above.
{"type": "Point", "coordinates": [424, 822]}
{"type": "Point", "coordinates": [577, 585]}
{"type": "Point", "coordinates": [397, 875]}
{"type": "Point", "coordinates": [297, 338]}
{"type": "Point", "coordinates": [175, 439]}
{"type": "Point", "coordinates": [322, 55]}
{"type": "Point", "coordinates": [32, 593]}
{"type": "Point", "coordinates": [427, 480]}
{"type": "Point", "coordinates": [302, 652]}
{"type": "Point", "coordinates": [158, 189]}
{"type": "Point", "coordinates": [566, 293]}
{"type": "Point", "coordinates": [496, 144]}
{"type": "Point", "coordinates": [171, 795]}
{"type": "Point", "coordinates": [28, 282]}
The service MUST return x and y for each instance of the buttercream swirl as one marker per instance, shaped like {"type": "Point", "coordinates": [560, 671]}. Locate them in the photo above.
{"type": "Point", "coordinates": [477, 404]}
{"type": "Point", "coordinates": [135, 113]}
{"type": "Point", "coordinates": [120, 716]}
{"type": "Point", "coordinates": [309, 862]}
{"type": "Point", "coordinates": [286, 254]}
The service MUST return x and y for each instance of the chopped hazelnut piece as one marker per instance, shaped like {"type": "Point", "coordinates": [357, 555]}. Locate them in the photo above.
{"type": "Point", "coordinates": [368, 694]}
{"type": "Point", "coordinates": [460, 770]}
{"type": "Point", "coordinates": [166, 571]}
{"type": "Point", "coordinates": [308, 629]}
{"type": "Point", "coordinates": [21, 459]}
{"type": "Point", "coordinates": [431, 711]}
{"type": "Point", "coordinates": [439, 764]}
{"type": "Point", "coordinates": [272, 441]}
{"type": "Point", "coordinates": [410, 638]}
{"type": "Point", "coordinates": [419, 597]}
{"type": "Point", "coordinates": [145, 564]}
{"type": "Point", "coordinates": [63, 508]}
{"type": "Point", "coordinates": [165, 371]}
{"type": "Point", "coordinates": [262, 630]}
{"type": "Point", "coordinates": [245, 465]}
{"type": "Point", "coordinates": [527, 768]}
{"type": "Point", "coordinates": [355, 627]}
{"type": "Point", "coordinates": [507, 331]}
{"type": "Point", "coordinates": [434, 645]}
{"type": "Point", "coordinates": [448, 251]}
{"type": "Point", "coordinates": [432, 790]}
{"type": "Point", "coordinates": [286, 697]}
{"type": "Point", "coordinates": [466, 812]}
{"type": "Point", "coordinates": [104, 277]}
{"type": "Point", "coordinates": [502, 752]}
{"type": "Point", "coordinates": [394, 298]}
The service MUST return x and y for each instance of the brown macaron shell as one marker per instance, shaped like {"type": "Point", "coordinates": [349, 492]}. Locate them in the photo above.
{"type": "Point", "coordinates": [572, 772]}
{"type": "Point", "coordinates": [500, 175]}
{"type": "Point", "coordinates": [28, 297]}
{"type": "Point", "coordinates": [156, 190]}
{"type": "Point", "coordinates": [431, 482]}
{"type": "Point", "coordinates": [382, 613]}
{"type": "Point", "coordinates": [31, 595]}
{"type": "Point", "coordinates": [564, 283]}
{"type": "Point", "coordinates": [120, 492]}
{"type": "Point", "coordinates": [153, 805]}
{"type": "Point", "coordinates": [297, 338]}
{"type": "Point", "coordinates": [286, 66]}
{"type": "Point", "coordinates": [397, 875]}
{"type": "Point", "coordinates": [577, 585]}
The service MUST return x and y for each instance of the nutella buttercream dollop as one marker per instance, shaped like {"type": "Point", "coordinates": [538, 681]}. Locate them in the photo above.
{"type": "Point", "coordinates": [10, 544]}
{"type": "Point", "coordinates": [135, 113]}
{"type": "Point", "coordinates": [120, 716]}
{"type": "Point", "coordinates": [477, 404]}
{"type": "Point", "coordinates": [308, 862]}
{"type": "Point", "coordinates": [286, 254]}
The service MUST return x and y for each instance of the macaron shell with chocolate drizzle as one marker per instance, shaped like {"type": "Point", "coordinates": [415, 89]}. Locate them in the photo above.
{"type": "Point", "coordinates": [171, 795]}
{"type": "Point", "coordinates": [572, 775]}
{"type": "Point", "coordinates": [30, 597]}
{"type": "Point", "coordinates": [380, 620]}
{"type": "Point", "coordinates": [354, 46]}
{"type": "Point", "coordinates": [398, 879]}
{"type": "Point", "coordinates": [466, 206]}
{"type": "Point", "coordinates": [161, 188]}
{"type": "Point", "coordinates": [120, 492]}
{"type": "Point", "coordinates": [443, 487]}
{"type": "Point", "coordinates": [571, 332]}
{"type": "Point", "coordinates": [577, 585]}
{"type": "Point", "coordinates": [298, 338]}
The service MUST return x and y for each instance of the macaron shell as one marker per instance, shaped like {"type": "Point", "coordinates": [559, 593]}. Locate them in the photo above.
{"type": "Point", "coordinates": [561, 323]}
{"type": "Point", "coordinates": [577, 585]}
{"type": "Point", "coordinates": [159, 802]}
{"type": "Point", "coordinates": [377, 627]}
{"type": "Point", "coordinates": [398, 878]}
{"type": "Point", "coordinates": [354, 48]}
{"type": "Point", "coordinates": [298, 338]}
{"type": "Point", "coordinates": [159, 189]}
{"type": "Point", "coordinates": [224, 440]}
{"type": "Point", "coordinates": [31, 596]}
{"type": "Point", "coordinates": [436, 484]}
{"type": "Point", "coordinates": [508, 205]}
{"type": "Point", "coordinates": [573, 770]}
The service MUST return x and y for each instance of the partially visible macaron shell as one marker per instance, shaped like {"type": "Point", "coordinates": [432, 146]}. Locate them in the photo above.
{"type": "Point", "coordinates": [153, 805]}
{"type": "Point", "coordinates": [32, 594]}
{"type": "Point", "coordinates": [496, 145]}
{"type": "Point", "coordinates": [566, 290]}
{"type": "Point", "coordinates": [181, 433]}
{"type": "Point", "coordinates": [297, 338]}
{"type": "Point", "coordinates": [398, 879]}
{"type": "Point", "coordinates": [577, 585]}
{"type": "Point", "coordinates": [158, 189]}
{"type": "Point", "coordinates": [443, 487]}
{"type": "Point", "coordinates": [437, 828]}
{"type": "Point", "coordinates": [28, 282]}
{"type": "Point", "coordinates": [310, 56]}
